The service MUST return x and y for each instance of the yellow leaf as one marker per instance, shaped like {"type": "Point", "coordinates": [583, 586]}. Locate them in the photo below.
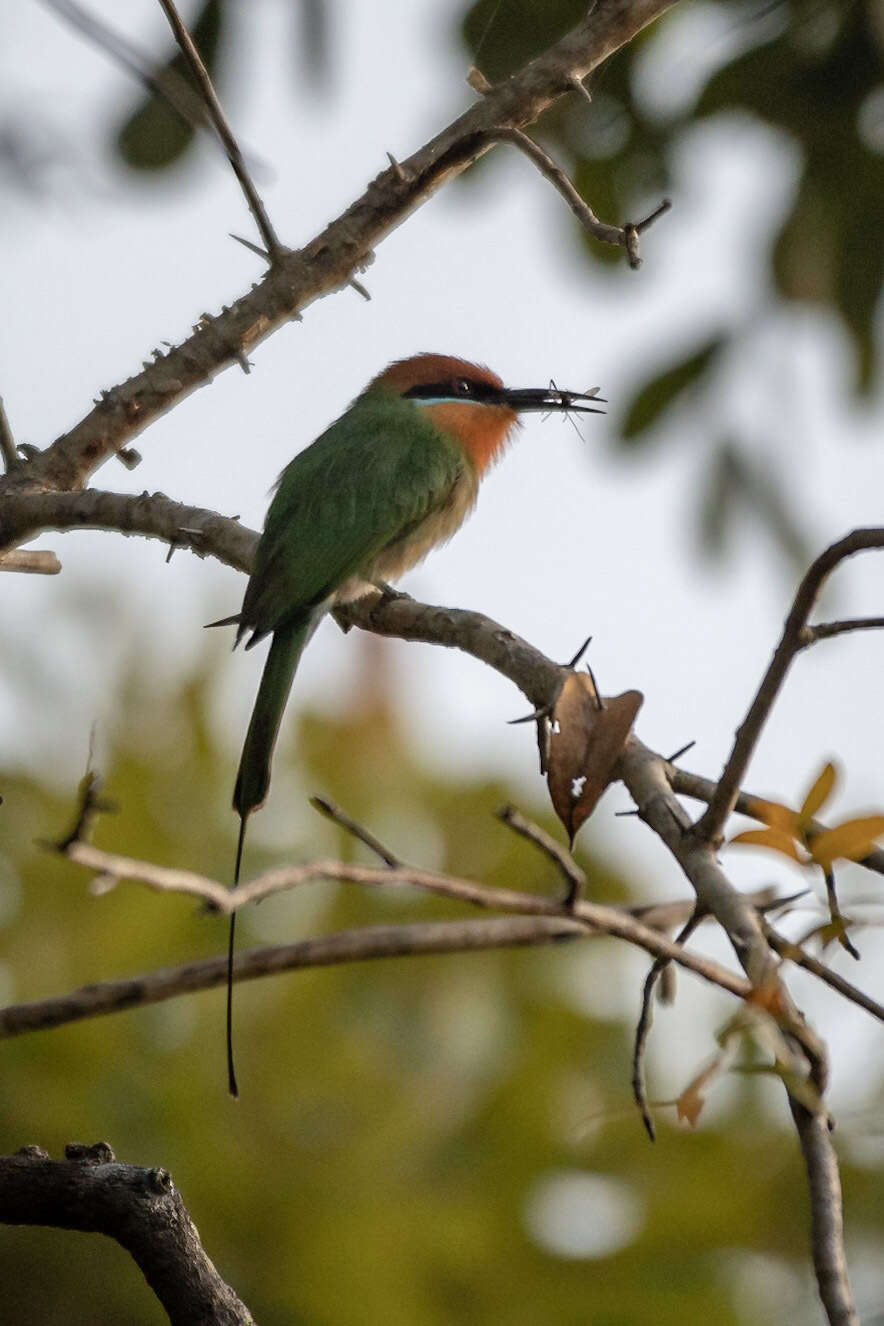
{"type": "Point", "coordinates": [818, 795]}
{"type": "Point", "coordinates": [776, 815]}
{"type": "Point", "coordinates": [778, 840]}
{"type": "Point", "coordinates": [851, 840]}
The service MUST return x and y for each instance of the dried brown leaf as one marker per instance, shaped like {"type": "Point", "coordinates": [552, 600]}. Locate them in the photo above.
{"type": "Point", "coordinates": [690, 1103]}
{"type": "Point", "coordinates": [586, 739]}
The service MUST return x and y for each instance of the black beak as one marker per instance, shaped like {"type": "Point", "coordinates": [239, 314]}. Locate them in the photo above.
{"type": "Point", "coordinates": [546, 399]}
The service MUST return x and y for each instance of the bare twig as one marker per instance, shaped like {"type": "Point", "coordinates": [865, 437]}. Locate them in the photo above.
{"type": "Point", "coordinates": [138, 1207]}
{"type": "Point", "coordinates": [625, 237]}
{"type": "Point", "coordinates": [710, 825]}
{"type": "Point", "coordinates": [618, 922]}
{"type": "Point", "coordinates": [645, 1020]}
{"type": "Point", "coordinates": [826, 630]}
{"type": "Point", "coordinates": [795, 953]}
{"type": "Point", "coordinates": [11, 458]}
{"type": "Point", "coordinates": [216, 114]}
{"type": "Point", "coordinates": [332, 811]}
{"type": "Point", "coordinates": [837, 917]}
{"type": "Point", "coordinates": [575, 878]}
{"type": "Point", "coordinates": [35, 562]}
{"type": "Point", "coordinates": [359, 945]}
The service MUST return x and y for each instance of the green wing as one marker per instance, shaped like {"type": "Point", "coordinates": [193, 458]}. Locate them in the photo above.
{"type": "Point", "coordinates": [375, 474]}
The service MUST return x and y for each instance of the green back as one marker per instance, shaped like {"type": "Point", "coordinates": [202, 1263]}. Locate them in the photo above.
{"type": "Point", "coordinates": [367, 480]}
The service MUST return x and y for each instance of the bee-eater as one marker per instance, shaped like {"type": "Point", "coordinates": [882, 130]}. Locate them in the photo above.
{"type": "Point", "coordinates": [396, 475]}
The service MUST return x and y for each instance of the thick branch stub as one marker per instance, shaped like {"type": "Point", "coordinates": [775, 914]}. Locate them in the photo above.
{"type": "Point", "coordinates": [139, 1208]}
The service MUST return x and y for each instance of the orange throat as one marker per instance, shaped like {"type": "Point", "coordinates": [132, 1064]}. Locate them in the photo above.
{"type": "Point", "coordinates": [481, 430]}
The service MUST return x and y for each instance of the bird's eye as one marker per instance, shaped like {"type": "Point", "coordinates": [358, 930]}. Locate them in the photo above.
{"type": "Point", "coordinates": [462, 387]}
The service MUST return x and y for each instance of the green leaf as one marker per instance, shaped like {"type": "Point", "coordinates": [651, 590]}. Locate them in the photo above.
{"type": "Point", "coordinates": [155, 136]}
{"type": "Point", "coordinates": [653, 400]}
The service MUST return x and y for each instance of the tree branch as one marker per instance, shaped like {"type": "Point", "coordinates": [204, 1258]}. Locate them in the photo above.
{"type": "Point", "coordinates": [625, 236]}
{"type": "Point", "coordinates": [357, 945]}
{"type": "Point", "coordinates": [222, 128]}
{"type": "Point", "coordinates": [140, 1208]}
{"type": "Point", "coordinates": [650, 781]}
{"type": "Point", "coordinates": [793, 952]}
{"type": "Point", "coordinates": [827, 630]}
{"type": "Point", "coordinates": [153, 515]}
{"type": "Point", "coordinates": [327, 263]}
{"type": "Point", "coordinates": [703, 789]}
{"type": "Point", "coordinates": [710, 825]}
{"type": "Point", "coordinates": [618, 922]}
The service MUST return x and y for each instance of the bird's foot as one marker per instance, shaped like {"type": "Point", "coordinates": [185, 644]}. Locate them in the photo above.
{"type": "Point", "coordinates": [388, 593]}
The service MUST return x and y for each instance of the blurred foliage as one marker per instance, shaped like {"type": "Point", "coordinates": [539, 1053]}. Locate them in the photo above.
{"type": "Point", "coordinates": [155, 136]}
{"type": "Point", "coordinates": [810, 70]}
{"type": "Point", "coordinates": [398, 1120]}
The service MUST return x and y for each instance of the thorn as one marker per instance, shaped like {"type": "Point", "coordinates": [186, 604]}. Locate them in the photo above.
{"type": "Point", "coordinates": [624, 814]}
{"type": "Point", "coordinates": [579, 655]}
{"type": "Point", "coordinates": [403, 176]}
{"type": "Point", "coordinates": [682, 750]}
{"type": "Point", "coordinates": [649, 220]}
{"type": "Point", "coordinates": [254, 248]}
{"type": "Point", "coordinates": [477, 81]}
{"type": "Point", "coordinates": [543, 712]}
{"type": "Point", "coordinates": [595, 687]}
{"type": "Point", "coordinates": [359, 288]}
{"type": "Point", "coordinates": [173, 548]}
{"type": "Point", "coordinates": [579, 86]}
{"type": "Point", "coordinates": [129, 457]}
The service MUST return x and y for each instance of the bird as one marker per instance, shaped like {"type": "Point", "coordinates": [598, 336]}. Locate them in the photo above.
{"type": "Point", "coordinates": [395, 476]}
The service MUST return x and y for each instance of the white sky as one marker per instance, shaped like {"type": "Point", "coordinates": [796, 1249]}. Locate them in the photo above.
{"type": "Point", "coordinates": [568, 537]}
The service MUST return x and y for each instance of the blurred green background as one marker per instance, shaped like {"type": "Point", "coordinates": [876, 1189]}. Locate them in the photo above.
{"type": "Point", "coordinates": [434, 1140]}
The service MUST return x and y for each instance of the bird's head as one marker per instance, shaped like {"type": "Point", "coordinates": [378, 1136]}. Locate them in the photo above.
{"type": "Point", "coordinates": [471, 404]}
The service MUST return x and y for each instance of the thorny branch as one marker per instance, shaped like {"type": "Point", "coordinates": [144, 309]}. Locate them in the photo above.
{"type": "Point", "coordinates": [625, 237]}
{"type": "Point", "coordinates": [357, 945]}
{"type": "Point", "coordinates": [710, 825]}
{"type": "Point", "coordinates": [138, 1207]}
{"type": "Point", "coordinates": [216, 115]}
{"type": "Point", "coordinates": [619, 922]}
{"type": "Point", "coordinates": [329, 261]}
